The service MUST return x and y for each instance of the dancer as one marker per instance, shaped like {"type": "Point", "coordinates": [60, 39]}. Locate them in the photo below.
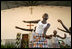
{"type": "Point", "coordinates": [38, 37]}
{"type": "Point", "coordinates": [68, 41]}
{"type": "Point", "coordinates": [55, 42]}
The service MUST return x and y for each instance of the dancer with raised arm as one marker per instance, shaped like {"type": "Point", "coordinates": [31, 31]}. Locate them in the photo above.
{"type": "Point", "coordinates": [55, 41]}
{"type": "Point", "coordinates": [66, 30]}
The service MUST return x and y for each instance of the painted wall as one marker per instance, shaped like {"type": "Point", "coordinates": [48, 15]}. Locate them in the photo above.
{"type": "Point", "coordinates": [14, 17]}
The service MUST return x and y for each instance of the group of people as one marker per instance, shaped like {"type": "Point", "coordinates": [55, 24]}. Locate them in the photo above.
{"type": "Point", "coordinates": [39, 37]}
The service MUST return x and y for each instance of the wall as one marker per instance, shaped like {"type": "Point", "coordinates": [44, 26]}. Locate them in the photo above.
{"type": "Point", "coordinates": [14, 17]}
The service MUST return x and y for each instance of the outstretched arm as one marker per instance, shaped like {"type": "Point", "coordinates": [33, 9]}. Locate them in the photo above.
{"type": "Point", "coordinates": [48, 36]}
{"type": "Point", "coordinates": [62, 30]}
{"type": "Point", "coordinates": [62, 37]}
{"type": "Point", "coordinates": [36, 21]}
{"type": "Point", "coordinates": [63, 25]}
{"type": "Point", "coordinates": [23, 29]}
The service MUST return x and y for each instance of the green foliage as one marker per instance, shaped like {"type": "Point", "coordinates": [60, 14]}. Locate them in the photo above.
{"type": "Point", "coordinates": [63, 45]}
{"type": "Point", "coordinates": [8, 46]}
{"type": "Point", "coordinates": [66, 46]}
{"type": "Point", "coordinates": [25, 43]}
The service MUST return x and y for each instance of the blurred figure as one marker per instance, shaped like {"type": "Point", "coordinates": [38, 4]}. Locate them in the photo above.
{"type": "Point", "coordinates": [55, 41]}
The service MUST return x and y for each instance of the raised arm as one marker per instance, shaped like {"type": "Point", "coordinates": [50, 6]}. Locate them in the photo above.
{"type": "Point", "coordinates": [62, 37]}
{"type": "Point", "coordinates": [62, 30]}
{"type": "Point", "coordinates": [63, 25]}
{"type": "Point", "coordinates": [35, 21]}
{"type": "Point", "coordinates": [23, 29]}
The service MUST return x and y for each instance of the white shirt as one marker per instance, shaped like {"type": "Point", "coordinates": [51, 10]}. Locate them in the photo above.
{"type": "Point", "coordinates": [40, 27]}
{"type": "Point", "coordinates": [54, 39]}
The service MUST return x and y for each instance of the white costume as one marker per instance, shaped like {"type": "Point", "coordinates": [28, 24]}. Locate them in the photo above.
{"type": "Point", "coordinates": [40, 27]}
{"type": "Point", "coordinates": [54, 41]}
